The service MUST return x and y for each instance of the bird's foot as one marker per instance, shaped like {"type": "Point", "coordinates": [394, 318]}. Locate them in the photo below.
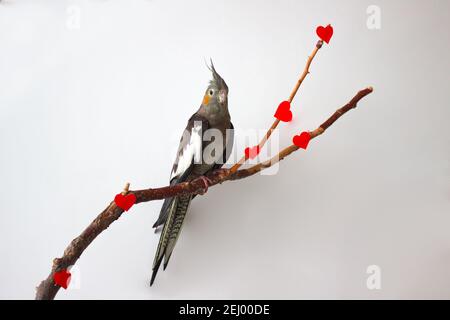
{"type": "Point", "coordinates": [207, 182]}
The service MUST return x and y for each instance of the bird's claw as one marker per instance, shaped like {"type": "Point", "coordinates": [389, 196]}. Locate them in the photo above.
{"type": "Point", "coordinates": [206, 182]}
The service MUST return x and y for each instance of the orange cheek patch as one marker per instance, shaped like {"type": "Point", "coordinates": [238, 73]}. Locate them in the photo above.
{"type": "Point", "coordinates": [206, 99]}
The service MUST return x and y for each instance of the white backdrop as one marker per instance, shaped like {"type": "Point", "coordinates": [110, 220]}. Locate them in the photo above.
{"type": "Point", "coordinates": [96, 93]}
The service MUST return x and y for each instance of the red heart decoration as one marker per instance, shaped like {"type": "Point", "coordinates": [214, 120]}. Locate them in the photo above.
{"type": "Point", "coordinates": [62, 278]}
{"type": "Point", "coordinates": [325, 33]}
{"type": "Point", "coordinates": [125, 202]}
{"type": "Point", "coordinates": [251, 152]}
{"type": "Point", "coordinates": [284, 112]}
{"type": "Point", "coordinates": [302, 140]}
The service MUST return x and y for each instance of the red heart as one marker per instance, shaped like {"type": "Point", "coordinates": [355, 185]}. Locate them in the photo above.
{"type": "Point", "coordinates": [325, 33]}
{"type": "Point", "coordinates": [302, 140]}
{"type": "Point", "coordinates": [62, 278]}
{"type": "Point", "coordinates": [251, 152]}
{"type": "Point", "coordinates": [284, 112]}
{"type": "Point", "coordinates": [125, 202]}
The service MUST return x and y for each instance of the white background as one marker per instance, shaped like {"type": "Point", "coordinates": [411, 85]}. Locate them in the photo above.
{"type": "Point", "coordinates": [82, 111]}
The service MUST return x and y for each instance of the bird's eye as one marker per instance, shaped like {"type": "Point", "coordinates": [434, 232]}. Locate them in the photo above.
{"type": "Point", "coordinates": [211, 92]}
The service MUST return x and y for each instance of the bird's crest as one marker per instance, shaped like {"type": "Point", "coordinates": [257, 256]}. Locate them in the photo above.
{"type": "Point", "coordinates": [217, 79]}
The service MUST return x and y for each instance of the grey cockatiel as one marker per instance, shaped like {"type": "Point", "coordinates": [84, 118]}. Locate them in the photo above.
{"type": "Point", "coordinates": [205, 145]}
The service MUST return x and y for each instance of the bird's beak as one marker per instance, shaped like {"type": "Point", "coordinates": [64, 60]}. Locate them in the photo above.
{"type": "Point", "coordinates": [222, 96]}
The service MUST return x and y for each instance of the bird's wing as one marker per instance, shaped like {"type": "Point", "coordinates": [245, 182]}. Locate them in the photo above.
{"type": "Point", "coordinates": [191, 148]}
{"type": "Point", "coordinates": [189, 152]}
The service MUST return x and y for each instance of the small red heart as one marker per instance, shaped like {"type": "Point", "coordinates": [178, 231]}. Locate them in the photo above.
{"type": "Point", "coordinates": [302, 140]}
{"type": "Point", "coordinates": [62, 278]}
{"type": "Point", "coordinates": [251, 152]}
{"type": "Point", "coordinates": [325, 33]}
{"type": "Point", "coordinates": [125, 202]}
{"type": "Point", "coordinates": [284, 112]}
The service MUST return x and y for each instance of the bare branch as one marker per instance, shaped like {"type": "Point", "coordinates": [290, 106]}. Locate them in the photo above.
{"type": "Point", "coordinates": [291, 97]}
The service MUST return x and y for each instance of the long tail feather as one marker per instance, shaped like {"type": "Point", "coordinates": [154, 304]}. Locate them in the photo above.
{"type": "Point", "coordinates": [182, 208]}
{"type": "Point", "coordinates": [164, 212]}
{"type": "Point", "coordinates": [165, 209]}
{"type": "Point", "coordinates": [163, 239]}
{"type": "Point", "coordinates": [170, 232]}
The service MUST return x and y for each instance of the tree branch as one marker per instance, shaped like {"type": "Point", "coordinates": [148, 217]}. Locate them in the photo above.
{"type": "Point", "coordinates": [274, 125]}
{"type": "Point", "coordinates": [47, 289]}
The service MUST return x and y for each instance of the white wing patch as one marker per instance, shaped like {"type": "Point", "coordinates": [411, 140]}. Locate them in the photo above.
{"type": "Point", "coordinates": [192, 150]}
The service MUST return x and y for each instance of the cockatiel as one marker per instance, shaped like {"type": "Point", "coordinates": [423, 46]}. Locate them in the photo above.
{"type": "Point", "coordinates": [201, 150]}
